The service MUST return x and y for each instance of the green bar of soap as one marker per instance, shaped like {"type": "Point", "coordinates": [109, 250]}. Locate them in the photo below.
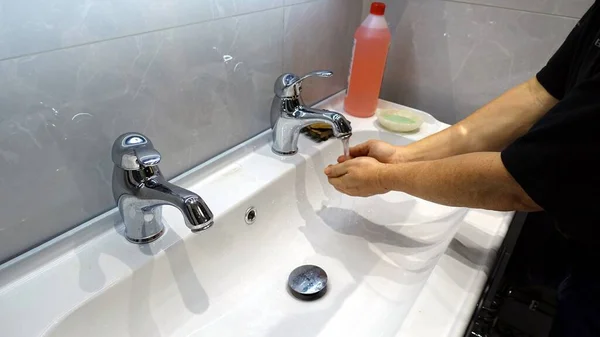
{"type": "Point", "coordinates": [399, 119]}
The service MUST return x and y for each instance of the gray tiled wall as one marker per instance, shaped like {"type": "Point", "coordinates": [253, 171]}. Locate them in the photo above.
{"type": "Point", "coordinates": [450, 57]}
{"type": "Point", "coordinates": [194, 76]}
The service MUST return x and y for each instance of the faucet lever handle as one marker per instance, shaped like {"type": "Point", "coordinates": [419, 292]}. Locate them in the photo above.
{"type": "Point", "coordinates": [289, 85]}
{"type": "Point", "coordinates": [133, 151]}
{"type": "Point", "coordinates": [318, 73]}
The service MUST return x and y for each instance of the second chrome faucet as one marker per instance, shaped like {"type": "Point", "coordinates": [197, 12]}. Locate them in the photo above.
{"type": "Point", "coordinates": [289, 114]}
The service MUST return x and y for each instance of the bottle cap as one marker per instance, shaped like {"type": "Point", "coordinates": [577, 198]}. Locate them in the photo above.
{"type": "Point", "coordinates": [378, 8]}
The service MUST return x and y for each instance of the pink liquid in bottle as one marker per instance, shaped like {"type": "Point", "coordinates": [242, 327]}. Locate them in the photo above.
{"type": "Point", "coordinates": [371, 44]}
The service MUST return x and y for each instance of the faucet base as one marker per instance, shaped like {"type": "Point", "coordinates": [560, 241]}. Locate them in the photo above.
{"type": "Point", "coordinates": [148, 239]}
{"type": "Point", "coordinates": [280, 153]}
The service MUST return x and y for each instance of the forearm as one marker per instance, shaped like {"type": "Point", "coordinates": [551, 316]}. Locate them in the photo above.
{"type": "Point", "coordinates": [490, 128]}
{"type": "Point", "coordinates": [476, 180]}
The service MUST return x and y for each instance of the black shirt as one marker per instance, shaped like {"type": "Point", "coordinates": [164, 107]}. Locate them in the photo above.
{"type": "Point", "coordinates": [558, 161]}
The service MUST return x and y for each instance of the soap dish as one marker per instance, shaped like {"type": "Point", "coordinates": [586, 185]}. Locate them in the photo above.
{"type": "Point", "coordinates": [399, 120]}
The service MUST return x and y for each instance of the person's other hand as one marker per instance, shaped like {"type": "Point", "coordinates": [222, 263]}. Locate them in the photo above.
{"type": "Point", "coordinates": [384, 152]}
{"type": "Point", "coordinates": [359, 177]}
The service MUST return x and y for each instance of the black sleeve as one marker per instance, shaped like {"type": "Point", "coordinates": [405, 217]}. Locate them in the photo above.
{"type": "Point", "coordinates": [557, 161]}
{"type": "Point", "coordinates": [554, 76]}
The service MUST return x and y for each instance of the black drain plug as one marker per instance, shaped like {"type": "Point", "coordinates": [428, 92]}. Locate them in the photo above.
{"type": "Point", "coordinates": [308, 282]}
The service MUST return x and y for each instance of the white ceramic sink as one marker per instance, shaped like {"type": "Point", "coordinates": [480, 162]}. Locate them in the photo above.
{"type": "Point", "coordinates": [231, 279]}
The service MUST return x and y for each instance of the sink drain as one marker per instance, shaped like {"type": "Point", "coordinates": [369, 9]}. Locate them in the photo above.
{"type": "Point", "coordinates": [250, 216]}
{"type": "Point", "coordinates": [308, 282]}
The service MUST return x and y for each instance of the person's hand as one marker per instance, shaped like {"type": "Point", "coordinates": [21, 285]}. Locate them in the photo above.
{"type": "Point", "coordinates": [359, 177]}
{"type": "Point", "coordinates": [384, 152]}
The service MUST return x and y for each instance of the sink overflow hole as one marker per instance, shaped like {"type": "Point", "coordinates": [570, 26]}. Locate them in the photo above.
{"type": "Point", "coordinates": [250, 217]}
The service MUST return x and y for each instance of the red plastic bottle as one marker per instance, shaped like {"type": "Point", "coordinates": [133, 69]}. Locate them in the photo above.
{"type": "Point", "coordinates": [371, 45]}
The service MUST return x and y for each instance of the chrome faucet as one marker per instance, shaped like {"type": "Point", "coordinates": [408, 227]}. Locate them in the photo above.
{"type": "Point", "coordinates": [140, 189]}
{"type": "Point", "coordinates": [289, 114]}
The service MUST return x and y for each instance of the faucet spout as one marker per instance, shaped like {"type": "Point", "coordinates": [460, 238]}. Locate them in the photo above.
{"type": "Point", "coordinates": [196, 214]}
{"type": "Point", "coordinates": [340, 125]}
